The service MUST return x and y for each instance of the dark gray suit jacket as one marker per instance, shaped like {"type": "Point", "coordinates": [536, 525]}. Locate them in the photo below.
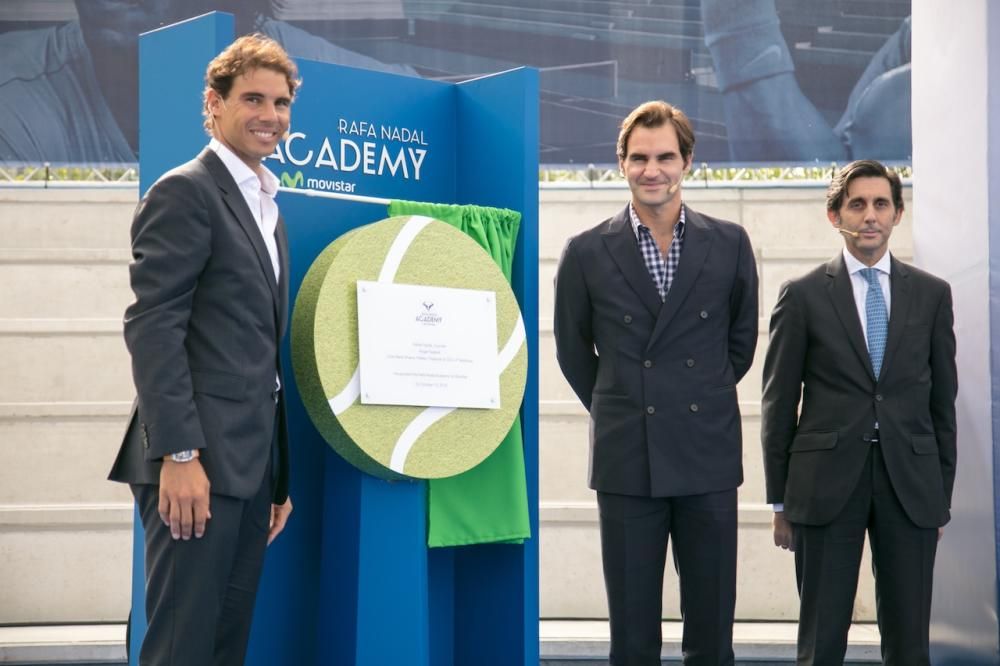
{"type": "Point", "coordinates": [659, 379]}
{"type": "Point", "coordinates": [204, 333]}
{"type": "Point", "coordinates": [812, 461]}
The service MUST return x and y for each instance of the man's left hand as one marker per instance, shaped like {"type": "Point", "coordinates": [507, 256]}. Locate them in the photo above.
{"type": "Point", "coordinates": [940, 533]}
{"type": "Point", "coordinates": [279, 516]}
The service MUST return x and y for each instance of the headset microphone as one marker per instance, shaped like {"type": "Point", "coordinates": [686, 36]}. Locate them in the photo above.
{"type": "Point", "coordinates": [852, 234]}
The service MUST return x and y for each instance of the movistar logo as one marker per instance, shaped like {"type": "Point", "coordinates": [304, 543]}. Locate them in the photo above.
{"type": "Point", "coordinates": [292, 181]}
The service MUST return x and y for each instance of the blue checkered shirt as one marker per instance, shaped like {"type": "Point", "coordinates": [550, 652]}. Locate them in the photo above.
{"type": "Point", "coordinates": [661, 269]}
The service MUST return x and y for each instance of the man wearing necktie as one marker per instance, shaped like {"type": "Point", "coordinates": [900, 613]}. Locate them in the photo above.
{"type": "Point", "coordinates": [655, 323]}
{"type": "Point", "coordinates": [866, 342]}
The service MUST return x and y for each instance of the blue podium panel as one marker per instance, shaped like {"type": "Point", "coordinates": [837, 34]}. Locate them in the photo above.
{"type": "Point", "coordinates": [351, 580]}
{"type": "Point", "coordinates": [497, 615]}
{"type": "Point", "coordinates": [172, 63]}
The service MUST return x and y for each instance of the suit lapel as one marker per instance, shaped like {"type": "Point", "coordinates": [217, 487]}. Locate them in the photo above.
{"type": "Point", "coordinates": [899, 288]}
{"type": "Point", "coordinates": [842, 295]}
{"type": "Point", "coordinates": [281, 237]}
{"type": "Point", "coordinates": [621, 243]}
{"type": "Point", "coordinates": [238, 206]}
{"type": "Point", "coordinates": [698, 239]}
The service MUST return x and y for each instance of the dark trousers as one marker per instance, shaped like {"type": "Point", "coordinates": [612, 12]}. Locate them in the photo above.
{"type": "Point", "coordinates": [827, 561]}
{"type": "Point", "coordinates": [634, 536]}
{"type": "Point", "coordinates": [200, 593]}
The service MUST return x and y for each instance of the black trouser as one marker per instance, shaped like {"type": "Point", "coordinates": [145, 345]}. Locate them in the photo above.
{"type": "Point", "coordinates": [827, 561]}
{"type": "Point", "coordinates": [200, 593]}
{"type": "Point", "coordinates": [634, 535]}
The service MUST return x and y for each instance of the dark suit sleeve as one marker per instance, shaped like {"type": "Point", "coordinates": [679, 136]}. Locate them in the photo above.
{"type": "Point", "coordinates": [171, 244]}
{"type": "Point", "coordinates": [944, 389]}
{"type": "Point", "coordinates": [783, 371]}
{"type": "Point", "coordinates": [743, 310]}
{"type": "Point", "coordinates": [572, 326]}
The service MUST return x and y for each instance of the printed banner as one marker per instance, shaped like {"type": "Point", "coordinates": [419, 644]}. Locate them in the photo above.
{"type": "Point", "coordinates": [764, 81]}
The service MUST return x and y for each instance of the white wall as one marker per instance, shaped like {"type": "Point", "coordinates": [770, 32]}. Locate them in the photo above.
{"type": "Point", "coordinates": [952, 219]}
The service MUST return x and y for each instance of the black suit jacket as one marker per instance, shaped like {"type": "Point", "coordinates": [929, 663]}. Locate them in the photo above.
{"type": "Point", "coordinates": [659, 379]}
{"type": "Point", "coordinates": [204, 333]}
{"type": "Point", "coordinates": [812, 460]}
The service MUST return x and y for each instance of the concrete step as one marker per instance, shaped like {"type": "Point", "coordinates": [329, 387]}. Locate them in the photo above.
{"type": "Point", "coordinates": [562, 643]}
{"type": "Point", "coordinates": [81, 645]}
{"type": "Point", "coordinates": [67, 217]}
{"type": "Point", "coordinates": [36, 440]}
{"type": "Point", "coordinates": [565, 427]}
{"type": "Point", "coordinates": [65, 563]}
{"type": "Point", "coordinates": [566, 643]}
{"type": "Point", "coordinates": [64, 360]}
{"type": "Point", "coordinates": [65, 283]}
{"type": "Point", "coordinates": [552, 386]}
{"type": "Point", "coordinates": [572, 580]}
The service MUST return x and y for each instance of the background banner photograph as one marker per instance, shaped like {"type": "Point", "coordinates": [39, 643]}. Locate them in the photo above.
{"type": "Point", "coordinates": [765, 81]}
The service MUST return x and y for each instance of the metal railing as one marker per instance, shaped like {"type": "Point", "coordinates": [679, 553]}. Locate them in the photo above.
{"type": "Point", "coordinates": [549, 176]}
{"type": "Point", "coordinates": [707, 175]}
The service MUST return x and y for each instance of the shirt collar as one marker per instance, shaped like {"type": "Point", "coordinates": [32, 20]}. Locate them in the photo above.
{"type": "Point", "coordinates": [636, 222]}
{"type": "Point", "coordinates": [854, 265]}
{"type": "Point", "coordinates": [241, 173]}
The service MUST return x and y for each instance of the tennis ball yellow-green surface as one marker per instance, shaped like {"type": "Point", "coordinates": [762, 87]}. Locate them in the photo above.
{"type": "Point", "coordinates": [325, 349]}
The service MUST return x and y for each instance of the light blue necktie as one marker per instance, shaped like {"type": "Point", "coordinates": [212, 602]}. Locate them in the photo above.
{"type": "Point", "coordinates": [876, 318]}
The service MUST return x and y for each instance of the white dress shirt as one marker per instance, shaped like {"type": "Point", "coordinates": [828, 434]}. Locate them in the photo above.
{"type": "Point", "coordinates": [859, 285]}
{"type": "Point", "coordinates": [258, 192]}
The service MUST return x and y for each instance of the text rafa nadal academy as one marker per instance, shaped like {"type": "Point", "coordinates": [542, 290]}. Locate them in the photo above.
{"type": "Point", "coordinates": [377, 150]}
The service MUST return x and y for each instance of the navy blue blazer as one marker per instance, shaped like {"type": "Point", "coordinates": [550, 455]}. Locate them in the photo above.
{"type": "Point", "coordinates": [659, 378]}
{"type": "Point", "coordinates": [821, 397]}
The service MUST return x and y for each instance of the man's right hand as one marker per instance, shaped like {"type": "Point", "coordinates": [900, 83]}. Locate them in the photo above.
{"type": "Point", "coordinates": [184, 505]}
{"type": "Point", "coordinates": [783, 532]}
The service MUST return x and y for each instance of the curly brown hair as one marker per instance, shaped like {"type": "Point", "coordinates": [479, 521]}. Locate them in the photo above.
{"type": "Point", "coordinates": [247, 53]}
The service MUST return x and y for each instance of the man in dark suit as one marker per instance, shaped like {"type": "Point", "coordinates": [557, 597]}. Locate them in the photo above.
{"type": "Point", "coordinates": [206, 448]}
{"type": "Point", "coordinates": [655, 323]}
{"type": "Point", "coordinates": [867, 343]}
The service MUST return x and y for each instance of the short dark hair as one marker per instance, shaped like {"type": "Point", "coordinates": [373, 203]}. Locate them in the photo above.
{"type": "Point", "coordinates": [656, 114]}
{"type": "Point", "coordinates": [247, 53]}
{"type": "Point", "coordinates": [862, 169]}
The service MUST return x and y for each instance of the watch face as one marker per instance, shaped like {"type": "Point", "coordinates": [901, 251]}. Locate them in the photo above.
{"type": "Point", "coordinates": [182, 456]}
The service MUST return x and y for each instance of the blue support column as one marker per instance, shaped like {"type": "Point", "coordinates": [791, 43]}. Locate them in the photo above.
{"type": "Point", "coordinates": [496, 586]}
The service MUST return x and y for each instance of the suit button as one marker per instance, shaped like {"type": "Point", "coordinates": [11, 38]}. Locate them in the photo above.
{"type": "Point", "coordinates": [878, 397]}
{"type": "Point", "coordinates": [647, 364]}
{"type": "Point", "coordinates": [689, 363]}
{"type": "Point", "coordinates": [703, 314]}
{"type": "Point", "coordinates": [651, 410]}
{"type": "Point", "coordinates": [693, 407]}
{"type": "Point", "coordinates": [627, 319]}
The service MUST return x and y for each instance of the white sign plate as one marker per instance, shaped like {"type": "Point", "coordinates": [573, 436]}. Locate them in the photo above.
{"type": "Point", "coordinates": [427, 346]}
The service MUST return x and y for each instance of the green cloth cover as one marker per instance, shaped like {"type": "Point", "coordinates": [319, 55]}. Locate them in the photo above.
{"type": "Point", "coordinates": [488, 503]}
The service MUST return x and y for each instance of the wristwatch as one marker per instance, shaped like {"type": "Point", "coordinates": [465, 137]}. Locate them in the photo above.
{"type": "Point", "coordinates": [184, 456]}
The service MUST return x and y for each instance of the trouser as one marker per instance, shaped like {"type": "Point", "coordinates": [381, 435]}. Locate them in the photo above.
{"type": "Point", "coordinates": [827, 562]}
{"type": "Point", "coordinates": [200, 593]}
{"type": "Point", "coordinates": [634, 536]}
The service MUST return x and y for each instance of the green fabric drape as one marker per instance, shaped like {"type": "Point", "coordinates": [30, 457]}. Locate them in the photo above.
{"type": "Point", "coordinates": [488, 503]}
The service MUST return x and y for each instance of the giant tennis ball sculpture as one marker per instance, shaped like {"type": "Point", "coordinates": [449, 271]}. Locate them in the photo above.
{"type": "Point", "coordinates": [392, 441]}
